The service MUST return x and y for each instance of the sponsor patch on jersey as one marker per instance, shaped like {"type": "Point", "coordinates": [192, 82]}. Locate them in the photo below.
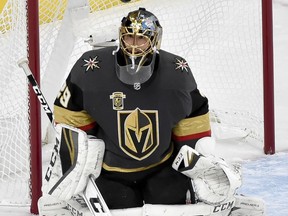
{"type": "Point", "coordinates": [138, 132]}
{"type": "Point", "coordinates": [182, 65]}
{"type": "Point", "coordinates": [118, 100]}
{"type": "Point", "coordinates": [91, 63]}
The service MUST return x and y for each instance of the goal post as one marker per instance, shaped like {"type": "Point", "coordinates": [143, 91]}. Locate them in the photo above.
{"type": "Point", "coordinates": [268, 77]}
{"type": "Point", "coordinates": [33, 42]}
{"type": "Point", "coordinates": [228, 45]}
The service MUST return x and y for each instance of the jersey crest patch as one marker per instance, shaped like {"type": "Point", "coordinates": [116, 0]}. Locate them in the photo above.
{"type": "Point", "coordinates": [138, 132]}
{"type": "Point", "coordinates": [182, 65]}
{"type": "Point", "coordinates": [118, 100]}
{"type": "Point", "coordinates": [91, 63]}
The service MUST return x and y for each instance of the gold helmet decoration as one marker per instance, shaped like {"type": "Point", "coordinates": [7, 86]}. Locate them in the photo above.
{"type": "Point", "coordinates": [142, 24]}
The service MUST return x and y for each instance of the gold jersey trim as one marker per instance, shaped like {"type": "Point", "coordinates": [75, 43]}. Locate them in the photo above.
{"type": "Point", "coordinates": [130, 170]}
{"type": "Point", "coordinates": [194, 125]}
{"type": "Point", "coordinates": [74, 118]}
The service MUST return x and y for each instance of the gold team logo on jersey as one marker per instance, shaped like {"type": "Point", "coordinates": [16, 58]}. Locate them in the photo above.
{"type": "Point", "coordinates": [138, 132]}
{"type": "Point", "coordinates": [118, 100]}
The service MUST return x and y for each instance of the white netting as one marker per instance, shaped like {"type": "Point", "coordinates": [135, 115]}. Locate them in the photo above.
{"type": "Point", "coordinates": [220, 39]}
{"type": "Point", "coordinates": [14, 142]}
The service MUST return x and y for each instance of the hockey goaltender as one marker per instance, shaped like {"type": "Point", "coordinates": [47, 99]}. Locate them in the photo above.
{"type": "Point", "coordinates": [134, 138]}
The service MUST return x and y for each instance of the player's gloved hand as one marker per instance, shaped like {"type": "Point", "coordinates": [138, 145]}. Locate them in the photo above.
{"type": "Point", "coordinates": [213, 179]}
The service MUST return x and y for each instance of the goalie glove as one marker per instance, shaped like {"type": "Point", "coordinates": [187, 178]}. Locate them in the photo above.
{"type": "Point", "coordinates": [213, 179]}
{"type": "Point", "coordinates": [79, 155]}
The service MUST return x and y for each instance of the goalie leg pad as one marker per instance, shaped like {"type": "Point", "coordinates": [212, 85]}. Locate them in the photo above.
{"type": "Point", "coordinates": [213, 179]}
{"type": "Point", "coordinates": [51, 206]}
{"type": "Point", "coordinates": [200, 208]}
{"type": "Point", "coordinates": [248, 206]}
{"type": "Point", "coordinates": [80, 156]}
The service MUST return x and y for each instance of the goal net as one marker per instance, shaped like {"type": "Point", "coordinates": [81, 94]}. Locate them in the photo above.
{"type": "Point", "coordinates": [220, 39]}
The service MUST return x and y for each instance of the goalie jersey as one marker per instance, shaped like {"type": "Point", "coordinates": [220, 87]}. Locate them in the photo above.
{"type": "Point", "coordinates": [141, 125]}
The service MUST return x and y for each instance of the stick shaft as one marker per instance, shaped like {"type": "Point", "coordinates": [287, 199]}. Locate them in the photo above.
{"type": "Point", "coordinates": [23, 63]}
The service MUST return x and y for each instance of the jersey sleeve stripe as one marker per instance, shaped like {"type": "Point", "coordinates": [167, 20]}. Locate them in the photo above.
{"type": "Point", "coordinates": [194, 126]}
{"type": "Point", "coordinates": [192, 137]}
{"type": "Point", "coordinates": [79, 119]}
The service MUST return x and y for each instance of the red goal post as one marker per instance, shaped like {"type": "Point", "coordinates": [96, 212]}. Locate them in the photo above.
{"type": "Point", "coordinates": [268, 77]}
{"type": "Point", "coordinates": [33, 42]}
{"type": "Point", "coordinates": [224, 49]}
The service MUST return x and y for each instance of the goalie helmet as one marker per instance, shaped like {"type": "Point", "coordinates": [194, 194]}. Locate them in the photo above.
{"type": "Point", "coordinates": [139, 40]}
{"type": "Point", "coordinates": [140, 24]}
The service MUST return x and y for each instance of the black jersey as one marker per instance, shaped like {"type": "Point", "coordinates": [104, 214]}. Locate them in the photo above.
{"type": "Point", "coordinates": [140, 125]}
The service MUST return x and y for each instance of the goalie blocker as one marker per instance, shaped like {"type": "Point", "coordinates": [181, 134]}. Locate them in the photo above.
{"type": "Point", "coordinates": [75, 158]}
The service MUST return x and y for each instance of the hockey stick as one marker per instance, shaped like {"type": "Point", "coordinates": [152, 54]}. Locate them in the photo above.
{"type": "Point", "coordinates": [23, 63]}
{"type": "Point", "coordinates": [93, 198]}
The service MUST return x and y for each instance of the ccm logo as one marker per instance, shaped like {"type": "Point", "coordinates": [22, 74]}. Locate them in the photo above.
{"type": "Point", "coordinates": [224, 206]}
{"type": "Point", "coordinates": [42, 99]}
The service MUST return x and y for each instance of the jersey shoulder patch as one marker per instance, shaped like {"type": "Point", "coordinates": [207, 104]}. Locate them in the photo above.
{"type": "Point", "coordinates": [94, 60]}
{"type": "Point", "coordinates": [176, 71]}
{"type": "Point", "coordinates": [91, 63]}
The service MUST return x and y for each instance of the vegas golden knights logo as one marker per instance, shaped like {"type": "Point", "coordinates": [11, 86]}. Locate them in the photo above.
{"type": "Point", "coordinates": [138, 132]}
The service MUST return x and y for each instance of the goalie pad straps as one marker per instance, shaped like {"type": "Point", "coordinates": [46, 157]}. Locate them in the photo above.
{"type": "Point", "coordinates": [213, 179]}
{"type": "Point", "coordinates": [80, 156]}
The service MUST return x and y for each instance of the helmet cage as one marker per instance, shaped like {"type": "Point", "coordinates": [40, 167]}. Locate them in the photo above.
{"type": "Point", "coordinates": [140, 36]}
{"type": "Point", "coordinates": [140, 23]}
{"type": "Point", "coordinates": [136, 50]}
